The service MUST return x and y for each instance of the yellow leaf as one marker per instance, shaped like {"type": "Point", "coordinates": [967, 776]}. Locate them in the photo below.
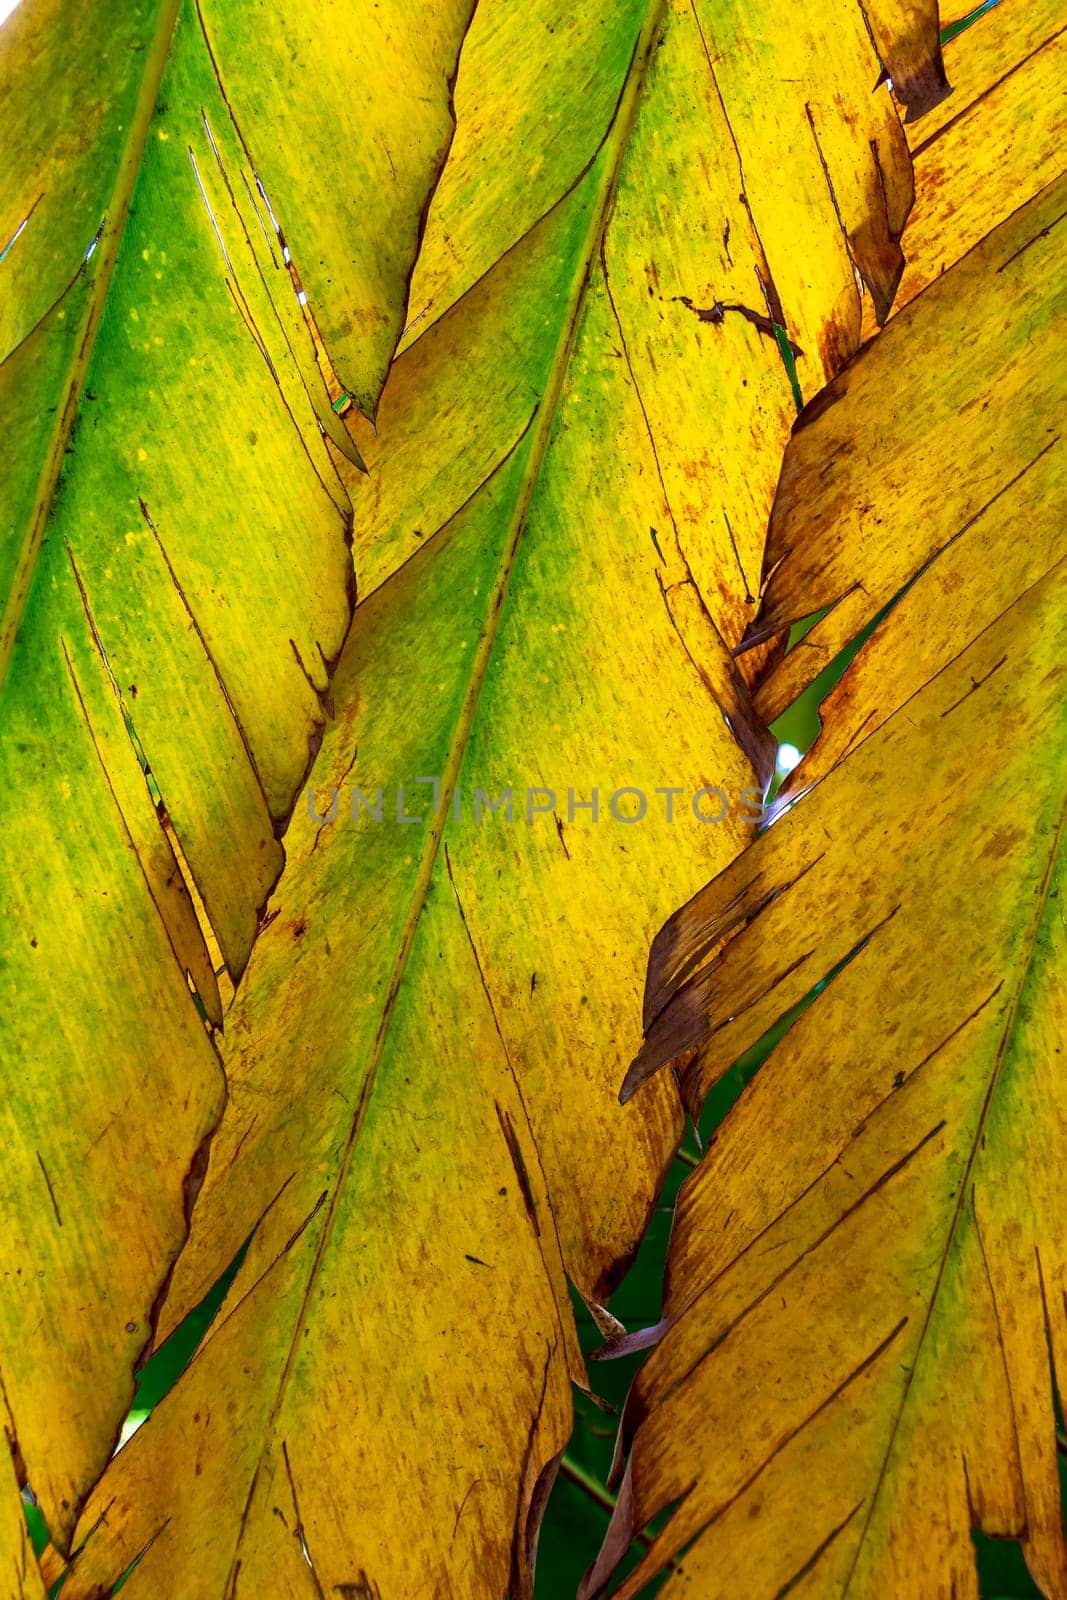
{"type": "Point", "coordinates": [998, 140]}
{"type": "Point", "coordinates": [865, 1293]}
{"type": "Point", "coordinates": [15, 1546]}
{"type": "Point", "coordinates": [163, 417]}
{"type": "Point", "coordinates": [989, 332]}
{"type": "Point", "coordinates": [555, 546]}
{"type": "Point", "coordinates": [824, 161]}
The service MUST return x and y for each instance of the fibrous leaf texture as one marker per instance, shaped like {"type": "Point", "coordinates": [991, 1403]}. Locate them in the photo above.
{"type": "Point", "coordinates": [866, 1280]}
{"type": "Point", "coordinates": [397, 405]}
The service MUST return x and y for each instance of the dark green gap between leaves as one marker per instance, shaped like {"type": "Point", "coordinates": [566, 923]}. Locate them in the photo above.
{"type": "Point", "coordinates": [954, 29]}
{"type": "Point", "coordinates": [789, 360]}
{"type": "Point", "coordinates": [163, 1369]}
